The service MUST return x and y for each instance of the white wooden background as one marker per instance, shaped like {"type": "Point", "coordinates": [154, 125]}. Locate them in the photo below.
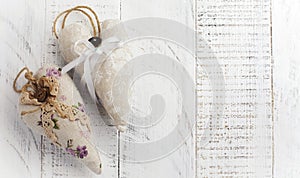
{"type": "Point", "coordinates": [255, 42]}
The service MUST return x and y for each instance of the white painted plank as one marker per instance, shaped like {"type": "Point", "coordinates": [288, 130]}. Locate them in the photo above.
{"type": "Point", "coordinates": [181, 162]}
{"type": "Point", "coordinates": [286, 84]}
{"type": "Point", "coordinates": [239, 141]}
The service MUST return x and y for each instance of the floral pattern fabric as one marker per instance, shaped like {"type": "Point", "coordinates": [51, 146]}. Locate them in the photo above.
{"type": "Point", "coordinates": [65, 123]}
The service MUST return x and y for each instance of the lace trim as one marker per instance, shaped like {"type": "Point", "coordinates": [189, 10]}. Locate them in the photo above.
{"type": "Point", "coordinates": [42, 92]}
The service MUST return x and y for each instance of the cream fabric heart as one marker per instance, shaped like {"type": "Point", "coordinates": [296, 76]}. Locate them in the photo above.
{"type": "Point", "coordinates": [103, 72]}
{"type": "Point", "coordinates": [51, 105]}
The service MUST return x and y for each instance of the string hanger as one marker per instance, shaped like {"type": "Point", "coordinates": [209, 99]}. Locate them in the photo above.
{"type": "Point", "coordinates": [66, 13]}
{"type": "Point", "coordinates": [28, 75]}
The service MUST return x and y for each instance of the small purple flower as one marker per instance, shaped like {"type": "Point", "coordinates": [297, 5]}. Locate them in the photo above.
{"type": "Point", "coordinates": [53, 72]}
{"type": "Point", "coordinates": [80, 151]}
{"type": "Point", "coordinates": [71, 151]}
{"type": "Point", "coordinates": [79, 148]}
{"type": "Point", "coordinates": [83, 154]}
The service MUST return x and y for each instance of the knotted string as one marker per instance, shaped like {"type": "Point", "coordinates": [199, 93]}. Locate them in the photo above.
{"type": "Point", "coordinates": [78, 8]}
{"type": "Point", "coordinates": [89, 58]}
{"type": "Point", "coordinates": [91, 54]}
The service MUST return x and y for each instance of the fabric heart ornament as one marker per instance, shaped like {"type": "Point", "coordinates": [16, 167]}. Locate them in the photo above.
{"type": "Point", "coordinates": [88, 53]}
{"type": "Point", "coordinates": [51, 105]}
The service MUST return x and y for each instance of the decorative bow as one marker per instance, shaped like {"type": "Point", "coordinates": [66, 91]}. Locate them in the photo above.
{"type": "Point", "coordinates": [90, 56]}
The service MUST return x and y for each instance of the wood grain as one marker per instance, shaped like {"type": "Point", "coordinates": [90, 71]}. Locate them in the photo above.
{"type": "Point", "coordinates": [286, 84]}
{"type": "Point", "coordinates": [240, 140]}
{"type": "Point", "coordinates": [179, 163]}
